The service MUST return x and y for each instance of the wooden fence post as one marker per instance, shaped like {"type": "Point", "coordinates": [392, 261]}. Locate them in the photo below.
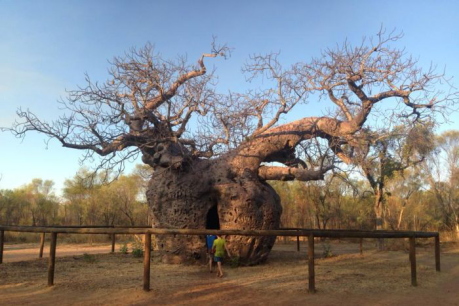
{"type": "Point", "coordinates": [361, 246]}
{"type": "Point", "coordinates": [146, 263]}
{"type": "Point", "coordinates": [312, 282]}
{"type": "Point", "coordinates": [2, 239]}
{"type": "Point", "coordinates": [42, 245]}
{"type": "Point", "coordinates": [437, 253]}
{"type": "Point", "coordinates": [113, 242]}
{"type": "Point", "coordinates": [297, 242]}
{"type": "Point", "coordinates": [414, 282]}
{"type": "Point", "coordinates": [52, 259]}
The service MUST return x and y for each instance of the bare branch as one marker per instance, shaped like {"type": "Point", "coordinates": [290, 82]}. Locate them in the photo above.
{"type": "Point", "coordinates": [289, 174]}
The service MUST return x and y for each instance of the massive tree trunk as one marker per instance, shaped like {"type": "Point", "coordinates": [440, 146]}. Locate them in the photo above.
{"type": "Point", "coordinates": [227, 192]}
{"type": "Point", "coordinates": [212, 194]}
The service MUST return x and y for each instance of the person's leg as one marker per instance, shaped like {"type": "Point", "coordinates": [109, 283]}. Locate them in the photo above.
{"type": "Point", "coordinates": [220, 272]}
{"type": "Point", "coordinates": [210, 262]}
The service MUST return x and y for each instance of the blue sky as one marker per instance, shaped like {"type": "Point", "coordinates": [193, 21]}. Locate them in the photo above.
{"type": "Point", "coordinates": [47, 46]}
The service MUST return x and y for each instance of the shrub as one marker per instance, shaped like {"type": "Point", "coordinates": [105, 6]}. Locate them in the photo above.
{"type": "Point", "coordinates": [327, 250]}
{"type": "Point", "coordinates": [89, 258]}
{"type": "Point", "coordinates": [234, 262]}
{"type": "Point", "coordinates": [124, 248]}
{"type": "Point", "coordinates": [137, 249]}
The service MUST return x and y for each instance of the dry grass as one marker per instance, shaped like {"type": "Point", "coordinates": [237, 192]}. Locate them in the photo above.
{"type": "Point", "coordinates": [375, 278]}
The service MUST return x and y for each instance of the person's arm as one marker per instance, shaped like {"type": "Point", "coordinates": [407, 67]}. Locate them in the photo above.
{"type": "Point", "coordinates": [227, 251]}
{"type": "Point", "coordinates": [213, 246]}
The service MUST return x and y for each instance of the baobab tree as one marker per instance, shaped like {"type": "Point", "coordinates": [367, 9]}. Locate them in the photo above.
{"type": "Point", "coordinates": [215, 175]}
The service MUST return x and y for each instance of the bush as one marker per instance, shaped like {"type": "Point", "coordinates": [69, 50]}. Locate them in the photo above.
{"type": "Point", "coordinates": [137, 249]}
{"type": "Point", "coordinates": [89, 258]}
{"type": "Point", "coordinates": [234, 262]}
{"type": "Point", "coordinates": [327, 250]}
{"type": "Point", "coordinates": [124, 248]}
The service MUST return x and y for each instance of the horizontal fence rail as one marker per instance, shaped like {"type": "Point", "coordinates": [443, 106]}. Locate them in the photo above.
{"type": "Point", "coordinates": [148, 231]}
{"type": "Point", "coordinates": [81, 226]}
{"type": "Point", "coordinates": [232, 232]}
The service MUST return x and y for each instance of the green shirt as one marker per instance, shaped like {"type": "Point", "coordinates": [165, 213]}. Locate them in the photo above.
{"type": "Point", "coordinates": [219, 245]}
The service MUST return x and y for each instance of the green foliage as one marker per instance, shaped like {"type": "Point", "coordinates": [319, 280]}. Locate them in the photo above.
{"type": "Point", "coordinates": [327, 250]}
{"type": "Point", "coordinates": [332, 203]}
{"type": "Point", "coordinates": [124, 248]}
{"type": "Point", "coordinates": [420, 140]}
{"type": "Point", "coordinates": [137, 249]}
{"type": "Point", "coordinates": [390, 167]}
{"type": "Point", "coordinates": [87, 200]}
{"type": "Point", "coordinates": [89, 258]}
{"type": "Point", "coordinates": [32, 204]}
{"type": "Point", "coordinates": [90, 200]}
{"type": "Point", "coordinates": [234, 262]}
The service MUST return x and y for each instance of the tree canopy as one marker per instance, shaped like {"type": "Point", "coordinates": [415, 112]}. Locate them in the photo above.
{"type": "Point", "coordinates": [147, 102]}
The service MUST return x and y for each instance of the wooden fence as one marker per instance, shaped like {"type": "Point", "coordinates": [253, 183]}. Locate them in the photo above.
{"type": "Point", "coordinates": [148, 231]}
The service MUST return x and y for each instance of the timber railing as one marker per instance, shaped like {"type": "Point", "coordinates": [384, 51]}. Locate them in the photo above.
{"type": "Point", "coordinates": [148, 231]}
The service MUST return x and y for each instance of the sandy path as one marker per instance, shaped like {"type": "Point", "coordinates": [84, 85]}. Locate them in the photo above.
{"type": "Point", "coordinates": [21, 252]}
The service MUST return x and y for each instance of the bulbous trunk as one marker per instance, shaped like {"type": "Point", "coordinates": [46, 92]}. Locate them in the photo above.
{"type": "Point", "coordinates": [215, 194]}
{"type": "Point", "coordinates": [228, 192]}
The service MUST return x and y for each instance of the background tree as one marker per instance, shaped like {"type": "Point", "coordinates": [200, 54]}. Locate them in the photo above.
{"type": "Point", "coordinates": [443, 177]}
{"type": "Point", "coordinates": [91, 201]}
{"type": "Point", "coordinates": [404, 189]}
{"type": "Point", "coordinates": [33, 204]}
{"type": "Point", "coordinates": [13, 207]}
{"type": "Point", "coordinates": [388, 153]}
{"type": "Point", "coordinates": [218, 171]}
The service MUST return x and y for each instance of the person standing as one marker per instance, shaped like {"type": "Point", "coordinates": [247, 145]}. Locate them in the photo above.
{"type": "Point", "coordinates": [219, 248]}
{"type": "Point", "coordinates": [210, 252]}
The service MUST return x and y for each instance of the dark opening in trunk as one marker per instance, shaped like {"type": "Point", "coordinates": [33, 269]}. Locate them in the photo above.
{"type": "Point", "coordinates": [213, 221]}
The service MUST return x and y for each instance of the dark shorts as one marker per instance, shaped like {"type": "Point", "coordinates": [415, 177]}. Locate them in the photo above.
{"type": "Point", "coordinates": [218, 259]}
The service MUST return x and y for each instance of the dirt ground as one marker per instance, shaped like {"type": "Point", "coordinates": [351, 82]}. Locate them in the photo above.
{"type": "Point", "coordinates": [346, 278]}
{"type": "Point", "coordinates": [21, 252]}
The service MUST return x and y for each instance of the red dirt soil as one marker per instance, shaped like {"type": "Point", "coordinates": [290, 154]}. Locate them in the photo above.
{"type": "Point", "coordinates": [377, 278]}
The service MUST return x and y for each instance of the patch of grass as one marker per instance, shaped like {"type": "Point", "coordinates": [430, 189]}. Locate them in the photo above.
{"type": "Point", "coordinates": [327, 252]}
{"type": "Point", "coordinates": [396, 245]}
{"type": "Point", "coordinates": [234, 262]}
{"type": "Point", "coordinates": [124, 248]}
{"type": "Point", "coordinates": [89, 258]}
{"type": "Point", "coordinates": [137, 249]}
